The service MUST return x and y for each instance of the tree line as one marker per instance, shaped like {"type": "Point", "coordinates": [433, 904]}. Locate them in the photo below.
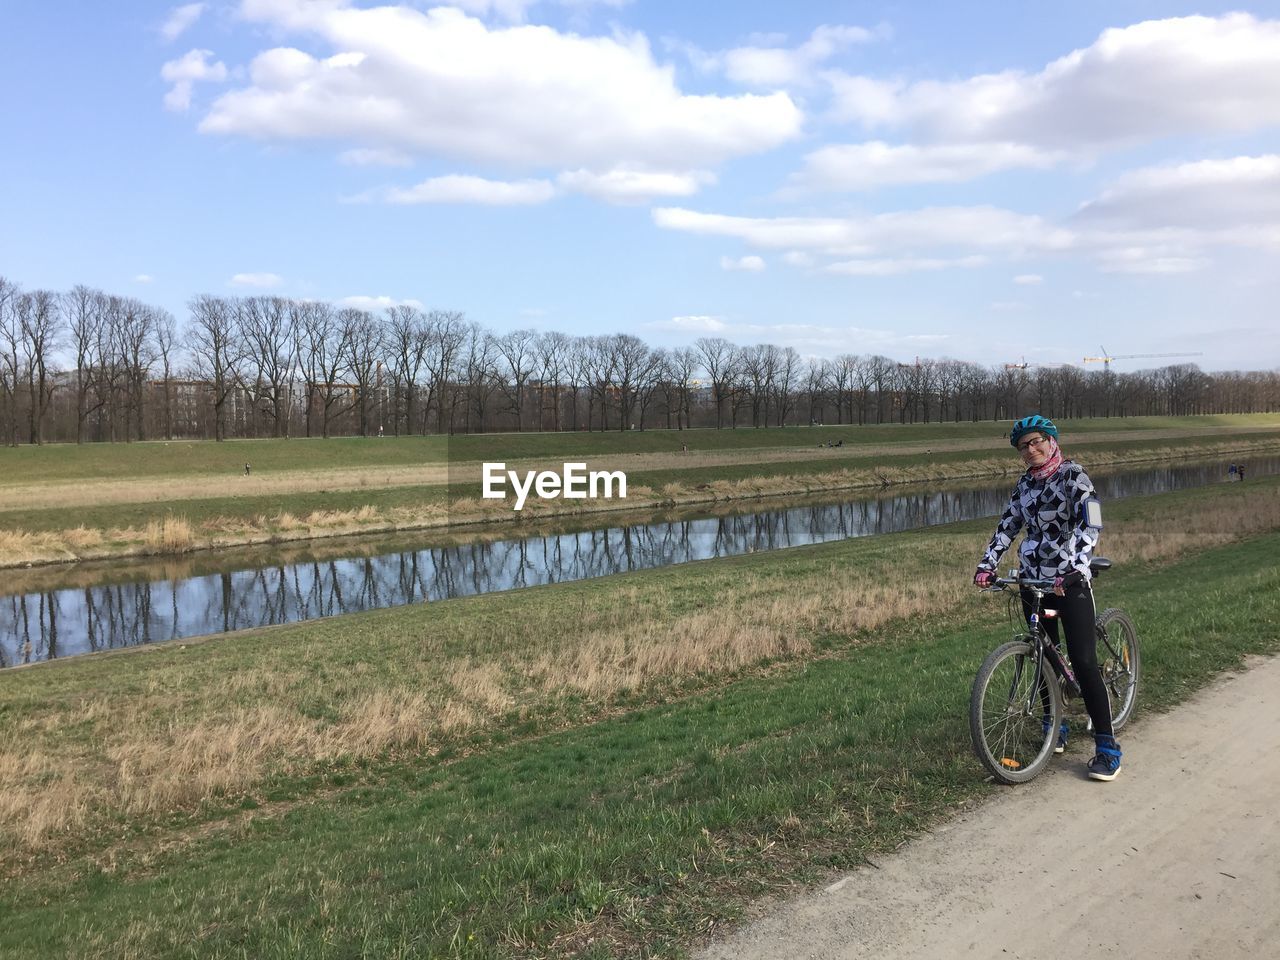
{"type": "Point", "coordinates": [85, 365]}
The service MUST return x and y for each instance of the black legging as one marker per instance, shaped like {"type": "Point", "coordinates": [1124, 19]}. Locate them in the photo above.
{"type": "Point", "coordinates": [1077, 613]}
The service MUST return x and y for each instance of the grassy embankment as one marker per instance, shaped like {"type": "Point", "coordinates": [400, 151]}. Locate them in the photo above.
{"type": "Point", "coordinates": [611, 767]}
{"type": "Point", "coordinates": [68, 502]}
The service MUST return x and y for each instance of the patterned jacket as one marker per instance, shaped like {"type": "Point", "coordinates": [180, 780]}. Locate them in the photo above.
{"type": "Point", "coordinates": [1057, 538]}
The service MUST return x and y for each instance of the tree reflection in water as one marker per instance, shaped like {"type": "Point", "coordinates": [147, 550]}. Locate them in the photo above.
{"type": "Point", "coordinates": [56, 620]}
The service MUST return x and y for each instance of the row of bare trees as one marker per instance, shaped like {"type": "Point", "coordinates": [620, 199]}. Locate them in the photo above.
{"type": "Point", "coordinates": [87, 365]}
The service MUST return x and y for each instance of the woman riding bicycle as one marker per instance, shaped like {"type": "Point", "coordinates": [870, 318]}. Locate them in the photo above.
{"type": "Point", "coordinates": [1051, 501]}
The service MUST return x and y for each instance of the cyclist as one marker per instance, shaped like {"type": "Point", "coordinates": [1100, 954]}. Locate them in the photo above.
{"type": "Point", "coordinates": [1051, 502]}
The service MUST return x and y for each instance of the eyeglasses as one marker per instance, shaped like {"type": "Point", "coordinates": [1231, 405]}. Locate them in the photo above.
{"type": "Point", "coordinates": [1038, 441]}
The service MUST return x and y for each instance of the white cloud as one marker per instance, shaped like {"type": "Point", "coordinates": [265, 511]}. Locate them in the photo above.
{"type": "Point", "coordinates": [192, 67]}
{"type": "Point", "coordinates": [438, 82]}
{"type": "Point", "coordinates": [798, 258]}
{"type": "Point", "coordinates": [887, 268]}
{"type": "Point", "coordinates": [262, 280]}
{"type": "Point", "coordinates": [624, 185]}
{"type": "Point", "coordinates": [1146, 260]}
{"type": "Point", "coordinates": [468, 189]}
{"type": "Point", "coordinates": [865, 166]}
{"type": "Point", "coordinates": [374, 158]}
{"type": "Point", "coordinates": [750, 264]}
{"type": "Point", "coordinates": [1206, 194]}
{"type": "Point", "coordinates": [1168, 219]}
{"type": "Point", "coordinates": [1153, 79]}
{"type": "Point", "coordinates": [515, 10]}
{"type": "Point", "coordinates": [144, 278]}
{"type": "Point", "coordinates": [690, 324]}
{"type": "Point", "coordinates": [777, 66]}
{"type": "Point", "coordinates": [376, 304]}
{"type": "Point", "coordinates": [1028, 279]}
{"type": "Point", "coordinates": [180, 20]}
{"type": "Point", "coordinates": [867, 236]}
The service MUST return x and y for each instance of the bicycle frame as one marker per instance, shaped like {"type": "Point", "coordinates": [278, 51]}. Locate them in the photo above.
{"type": "Point", "coordinates": [1045, 649]}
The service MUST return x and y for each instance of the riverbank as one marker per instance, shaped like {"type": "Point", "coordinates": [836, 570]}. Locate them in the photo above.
{"type": "Point", "coordinates": [585, 769]}
{"type": "Point", "coordinates": [43, 535]}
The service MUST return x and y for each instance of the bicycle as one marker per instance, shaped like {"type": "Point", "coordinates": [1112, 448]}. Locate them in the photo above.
{"type": "Point", "coordinates": [1021, 689]}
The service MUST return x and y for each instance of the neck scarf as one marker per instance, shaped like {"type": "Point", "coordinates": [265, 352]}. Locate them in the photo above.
{"type": "Point", "coordinates": [1050, 466]}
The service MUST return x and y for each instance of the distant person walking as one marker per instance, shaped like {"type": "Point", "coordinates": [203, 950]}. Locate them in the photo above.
{"type": "Point", "coordinates": [1240, 472]}
{"type": "Point", "coordinates": [1231, 472]}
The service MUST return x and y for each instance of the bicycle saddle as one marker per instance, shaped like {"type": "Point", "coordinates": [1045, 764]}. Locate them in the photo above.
{"type": "Point", "coordinates": [1099, 565]}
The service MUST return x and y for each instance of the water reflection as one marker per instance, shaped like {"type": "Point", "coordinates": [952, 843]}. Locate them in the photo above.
{"type": "Point", "coordinates": [74, 612]}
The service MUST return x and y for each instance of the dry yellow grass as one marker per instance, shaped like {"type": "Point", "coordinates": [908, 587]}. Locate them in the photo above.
{"type": "Point", "coordinates": [170, 535]}
{"type": "Point", "coordinates": [170, 748]}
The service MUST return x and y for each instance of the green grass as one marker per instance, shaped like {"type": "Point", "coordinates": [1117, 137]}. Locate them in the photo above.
{"type": "Point", "coordinates": [635, 822]}
{"type": "Point", "coordinates": [408, 497]}
{"type": "Point", "coordinates": [60, 462]}
{"type": "Point", "coordinates": [639, 830]}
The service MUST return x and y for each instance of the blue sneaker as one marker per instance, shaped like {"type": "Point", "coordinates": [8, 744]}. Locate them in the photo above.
{"type": "Point", "coordinates": [1061, 745]}
{"type": "Point", "coordinates": [1106, 762]}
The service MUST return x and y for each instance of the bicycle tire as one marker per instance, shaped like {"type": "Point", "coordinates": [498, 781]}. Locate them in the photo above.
{"type": "Point", "coordinates": [1120, 661]}
{"type": "Point", "coordinates": [1006, 719]}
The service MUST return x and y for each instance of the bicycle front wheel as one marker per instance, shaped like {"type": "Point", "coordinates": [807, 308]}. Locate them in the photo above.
{"type": "Point", "coordinates": [1119, 661]}
{"type": "Point", "coordinates": [1014, 712]}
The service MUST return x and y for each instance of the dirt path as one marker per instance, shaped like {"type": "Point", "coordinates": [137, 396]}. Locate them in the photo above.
{"type": "Point", "coordinates": [1182, 857]}
{"type": "Point", "coordinates": [46, 494]}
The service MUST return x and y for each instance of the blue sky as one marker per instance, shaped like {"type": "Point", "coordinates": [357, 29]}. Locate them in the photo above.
{"type": "Point", "coordinates": [978, 181]}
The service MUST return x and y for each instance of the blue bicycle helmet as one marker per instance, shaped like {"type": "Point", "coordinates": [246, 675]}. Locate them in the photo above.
{"type": "Point", "coordinates": [1032, 424]}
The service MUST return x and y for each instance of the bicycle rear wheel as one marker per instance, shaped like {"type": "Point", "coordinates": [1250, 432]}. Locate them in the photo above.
{"type": "Point", "coordinates": [1120, 663]}
{"type": "Point", "coordinates": [1014, 712]}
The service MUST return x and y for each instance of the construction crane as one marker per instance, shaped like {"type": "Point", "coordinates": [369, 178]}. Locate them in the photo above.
{"type": "Point", "coordinates": [1024, 365]}
{"type": "Point", "coordinates": [1106, 358]}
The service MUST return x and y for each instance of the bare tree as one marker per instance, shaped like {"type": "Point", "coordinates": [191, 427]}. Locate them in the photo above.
{"type": "Point", "coordinates": [135, 352]}
{"type": "Point", "coordinates": [816, 382]}
{"type": "Point", "coordinates": [322, 350]}
{"type": "Point", "coordinates": [480, 374]}
{"type": "Point", "coordinates": [786, 376]}
{"type": "Point", "coordinates": [552, 350]}
{"type": "Point", "coordinates": [581, 367]}
{"type": "Point", "coordinates": [407, 343]}
{"type": "Point", "coordinates": [633, 364]}
{"type": "Point", "coordinates": [518, 350]}
{"type": "Point", "coordinates": [166, 342]}
{"type": "Point", "coordinates": [10, 371]}
{"type": "Point", "coordinates": [845, 370]}
{"type": "Point", "coordinates": [270, 355]}
{"type": "Point", "coordinates": [85, 309]}
{"type": "Point", "coordinates": [757, 377]}
{"type": "Point", "coordinates": [362, 337]}
{"type": "Point", "coordinates": [40, 321]}
{"type": "Point", "coordinates": [447, 332]}
{"type": "Point", "coordinates": [216, 351]}
{"type": "Point", "coordinates": [601, 362]}
{"type": "Point", "coordinates": [882, 373]}
{"type": "Point", "coordinates": [717, 355]}
{"type": "Point", "coordinates": [681, 366]}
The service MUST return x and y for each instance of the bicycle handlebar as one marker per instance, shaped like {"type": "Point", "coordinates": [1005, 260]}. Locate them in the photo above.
{"type": "Point", "coordinates": [1002, 583]}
